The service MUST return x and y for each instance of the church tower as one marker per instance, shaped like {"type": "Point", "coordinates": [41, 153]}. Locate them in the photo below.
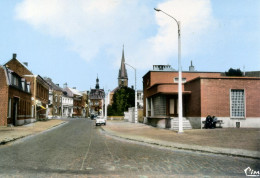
{"type": "Point", "coordinates": [122, 75]}
{"type": "Point", "coordinates": [97, 83]}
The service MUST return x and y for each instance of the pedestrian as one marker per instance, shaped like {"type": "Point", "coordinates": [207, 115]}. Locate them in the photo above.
{"type": "Point", "coordinates": [208, 122]}
{"type": "Point", "coordinates": [215, 119]}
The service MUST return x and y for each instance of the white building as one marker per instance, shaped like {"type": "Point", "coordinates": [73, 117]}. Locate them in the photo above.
{"type": "Point", "coordinates": [67, 105]}
{"type": "Point", "coordinates": [140, 102]}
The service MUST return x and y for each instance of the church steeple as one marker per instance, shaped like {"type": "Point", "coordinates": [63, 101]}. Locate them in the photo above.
{"type": "Point", "coordinates": [122, 75]}
{"type": "Point", "coordinates": [97, 83]}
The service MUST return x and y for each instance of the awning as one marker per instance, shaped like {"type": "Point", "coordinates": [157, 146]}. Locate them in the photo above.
{"type": "Point", "coordinates": [42, 107]}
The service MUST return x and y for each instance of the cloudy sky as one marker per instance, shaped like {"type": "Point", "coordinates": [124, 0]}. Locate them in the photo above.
{"type": "Point", "coordinates": [73, 41]}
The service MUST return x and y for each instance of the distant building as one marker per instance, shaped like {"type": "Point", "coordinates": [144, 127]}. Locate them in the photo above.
{"type": "Point", "coordinates": [96, 97]}
{"type": "Point", "coordinates": [77, 101]}
{"type": "Point", "coordinates": [122, 74]}
{"type": "Point", "coordinates": [67, 103]}
{"type": "Point", "coordinates": [85, 103]}
{"type": "Point", "coordinates": [122, 78]}
{"type": "Point", "coordinates": [140, 102]}
{"type": "Point", "coordinates": [55, 99]}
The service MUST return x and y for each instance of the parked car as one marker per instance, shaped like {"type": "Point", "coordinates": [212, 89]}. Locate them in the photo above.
{"type": "Point", "coordinates": [100, 121]}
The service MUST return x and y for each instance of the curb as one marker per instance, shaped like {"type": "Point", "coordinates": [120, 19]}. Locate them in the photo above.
{"type": "Point", "coordinates": [3, 142]}
{"type": "Point", "coordinates": [204, 149]}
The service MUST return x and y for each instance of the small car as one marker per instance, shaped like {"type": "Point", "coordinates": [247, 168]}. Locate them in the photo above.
{"type": "Point", "coordinates": [100, 121]}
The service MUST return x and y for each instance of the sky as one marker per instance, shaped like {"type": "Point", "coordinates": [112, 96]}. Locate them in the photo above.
{"type": "Point", "coordinates": [76, 41]}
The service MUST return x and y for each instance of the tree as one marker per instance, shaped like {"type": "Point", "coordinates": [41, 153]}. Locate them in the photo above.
{"type": "Point", "coordinates": [234, 72]}
{"type": "Point", "coordinates": [123, 99]}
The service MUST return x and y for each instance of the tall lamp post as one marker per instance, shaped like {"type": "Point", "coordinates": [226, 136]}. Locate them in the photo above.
{"type": "Point", "coordinates": [179, 67]}
{"type": "Point", "coordinates": [106, 102]}
{"type": "Point", "coordinates": [135, 93]}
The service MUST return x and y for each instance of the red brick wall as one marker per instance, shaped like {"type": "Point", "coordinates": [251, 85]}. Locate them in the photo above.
{"type": "Point", "coordinates": [154, 77]}
{"type": "Point", "coordinates": [215, 95]}
{"type": "Point", "coordinates": [3, 98]}
{"type": "Point", "coordinates": [24, 104]}
{"type": "Point", "coordinates": [167, 77]}
{"type": "Point", "coordinates": [193, 101]}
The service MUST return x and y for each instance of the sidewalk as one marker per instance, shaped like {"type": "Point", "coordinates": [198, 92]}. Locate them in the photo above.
{"type": "Point", "coordinates": [8, 134]}
{"type": "Point", "coordinates": [232, 141]}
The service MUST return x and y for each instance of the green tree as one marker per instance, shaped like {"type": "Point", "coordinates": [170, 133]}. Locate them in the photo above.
{"type": "Point", "coordinates": [122, 100]}
{"type": "Point", "coordinates": [234, 72]}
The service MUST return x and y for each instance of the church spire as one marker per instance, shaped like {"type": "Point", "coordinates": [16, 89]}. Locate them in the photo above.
{"type": "Point", "coordinates": [97, 83]}
{"type": "Point", "coordinates": [122, 75]}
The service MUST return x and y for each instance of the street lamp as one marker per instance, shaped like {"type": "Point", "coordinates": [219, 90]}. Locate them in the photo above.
{"type": "Point", "coordinates": [135, 93]}
{"type": "Point", "coordinates": [106, 102]}
{"type": "Point", "coordinates": [179, 67]}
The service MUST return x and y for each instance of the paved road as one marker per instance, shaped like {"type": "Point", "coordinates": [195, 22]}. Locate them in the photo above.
{"type": "Point", "coordinates": [80, 148]}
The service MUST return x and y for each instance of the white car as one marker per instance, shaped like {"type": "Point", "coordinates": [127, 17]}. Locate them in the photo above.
{"type": "Point", "coordinates": [100, 121]}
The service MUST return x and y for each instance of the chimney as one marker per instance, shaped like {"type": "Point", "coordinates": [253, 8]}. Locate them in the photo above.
{"type": "Point", "coordinates": [191, 68]}
{"type": "Point", "coordinates": [58, 84]}
{"type": "Point", "coordinates": [74, 88]}
{"type": "Point", "coordinates": [65, 85]}
{"type": "Point", "coordinates": [14, 55]}
{"type": "Point", "coordinates": [26, 64]}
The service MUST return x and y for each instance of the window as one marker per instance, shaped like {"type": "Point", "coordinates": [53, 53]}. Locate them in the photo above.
{"type": "Point", "coordinates": [15, 80]}
{"type": "Point", "coordinates": [28, 87]}
{"type": "Point", "coordinates": [176, 80]}
{"type": "Point", "coordinates": [32, 110]}
{"type": "Point", "coordinates": [237, 103]}
{"type": "Point", "coordinates": [9, 107]}
{"type": "Point", "coordinates": [56, 98]}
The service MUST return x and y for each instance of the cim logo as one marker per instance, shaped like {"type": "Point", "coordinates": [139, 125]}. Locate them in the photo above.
{"type": "Point", "coordinates": [251, 172]}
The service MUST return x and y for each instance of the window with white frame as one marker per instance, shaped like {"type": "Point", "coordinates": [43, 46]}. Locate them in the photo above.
{"type": "Point", "coordinates": [237, 103]}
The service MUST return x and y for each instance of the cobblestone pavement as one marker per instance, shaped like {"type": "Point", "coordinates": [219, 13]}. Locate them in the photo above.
{"type": "Point", "coordinates": [8, 134]}
{"type": "Point", "coordinates": [80, 149]}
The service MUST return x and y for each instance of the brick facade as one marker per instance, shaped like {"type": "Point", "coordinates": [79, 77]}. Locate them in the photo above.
{"type": "Point", "coordinates": [38, 88]}
{"type": "Point", "coordinates": [3, 97]}
{"type": "Point", "coordinates": [204, 93]}
{"type": "Point", "coordinates": [15, 98]}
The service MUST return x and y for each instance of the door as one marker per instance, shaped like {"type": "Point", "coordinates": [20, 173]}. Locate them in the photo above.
{"type": "Point", "coordinates": [15, 107]}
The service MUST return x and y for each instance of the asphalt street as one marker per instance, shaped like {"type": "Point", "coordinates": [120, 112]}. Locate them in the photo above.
{"type": "Point", "coordinates": [79, 148]}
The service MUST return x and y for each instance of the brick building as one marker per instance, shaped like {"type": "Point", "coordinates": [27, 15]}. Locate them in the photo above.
{"type": "Point", "coordinates": [39, 87]}
{"type": "Point", "coordinates": [55, 99]}
{"type": "Point", "coordinates": [78, 106]}
{"type": "Point", "coordinates": [235, 100]}
{"type": "Point", "coordinates": [15, 98]}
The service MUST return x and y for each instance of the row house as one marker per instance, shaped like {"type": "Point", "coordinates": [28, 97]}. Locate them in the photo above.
{"type": "Point", "coordinates": [67, 103]}
{"type": "Point", "coordinates": [78, 101]}
{"type": "Point", "coordinates": [55, 99]}
{"type": "Point", "coordinates": [15, 98]}
{"type": "Point", "coordinates": [39, 88]}
{"type": "Point", "coordinates": [85, 103]}
{"type": "Point", "coordinates": [235, 100]}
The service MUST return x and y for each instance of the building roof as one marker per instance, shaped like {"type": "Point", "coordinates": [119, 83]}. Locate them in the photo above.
{"type": "Point", "coordinates": [75, 91]}
{"type": "Point", "coordinates": [97, 94]}
{"type": "Point", "coordinates": [52, 85]}
{"type": "Point", "coordinates": [16, 60]}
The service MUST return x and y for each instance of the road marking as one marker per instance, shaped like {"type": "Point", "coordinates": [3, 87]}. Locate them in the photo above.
{"type": "Point", "coordinates": [87, 150]}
